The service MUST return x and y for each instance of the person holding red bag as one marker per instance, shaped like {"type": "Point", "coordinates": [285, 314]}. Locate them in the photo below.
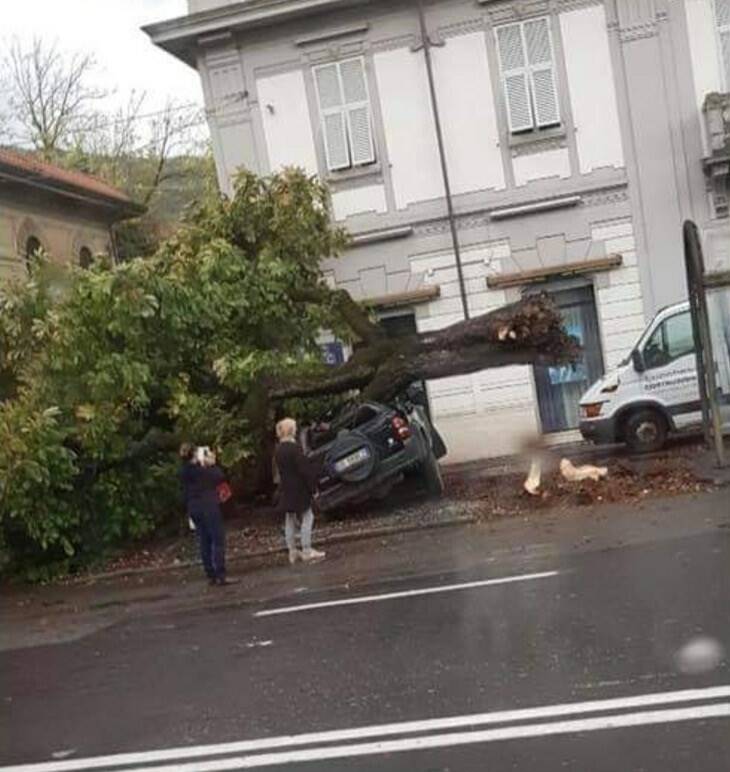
{"type": "Point", "coordinates": [204, 487]}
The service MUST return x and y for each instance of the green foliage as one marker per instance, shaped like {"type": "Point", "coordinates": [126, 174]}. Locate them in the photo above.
{"type": "Point", "coordinates": [104, 371]}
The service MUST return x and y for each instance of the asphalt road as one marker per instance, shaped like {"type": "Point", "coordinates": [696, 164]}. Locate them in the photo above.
{"type": "Point", "coordinates": [611, 659]}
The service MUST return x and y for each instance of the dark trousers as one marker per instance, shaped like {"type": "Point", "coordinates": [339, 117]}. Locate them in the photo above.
{"type": "Point", "coordinates": [211, 536]}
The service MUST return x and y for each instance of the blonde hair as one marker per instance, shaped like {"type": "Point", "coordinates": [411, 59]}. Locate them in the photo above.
{"type": "Point", "coordinates": [286, 429]}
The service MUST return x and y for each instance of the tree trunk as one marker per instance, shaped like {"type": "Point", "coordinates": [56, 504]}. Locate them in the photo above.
{"type": "Point", "coordinates": [527, 332]}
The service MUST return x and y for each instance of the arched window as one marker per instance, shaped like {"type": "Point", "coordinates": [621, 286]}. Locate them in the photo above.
{"type": "Point", "coordinates": [33, 249]}
{"type": "Point", "coordinates": [85, 257]}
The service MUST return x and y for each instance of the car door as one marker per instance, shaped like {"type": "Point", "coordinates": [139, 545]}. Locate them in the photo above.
{"type": "Point", "coordinates": [671, 372]}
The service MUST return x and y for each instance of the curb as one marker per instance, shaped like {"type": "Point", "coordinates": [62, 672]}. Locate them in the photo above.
{"type": "Point", "coordinates": [337, 538]}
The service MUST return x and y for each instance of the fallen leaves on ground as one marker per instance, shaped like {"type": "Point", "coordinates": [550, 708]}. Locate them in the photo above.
{"type": "Point", "coordinates": [481, 493]}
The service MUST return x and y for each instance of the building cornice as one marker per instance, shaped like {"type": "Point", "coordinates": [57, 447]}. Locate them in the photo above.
{"type": "Point", "coordinates": [180, 36]}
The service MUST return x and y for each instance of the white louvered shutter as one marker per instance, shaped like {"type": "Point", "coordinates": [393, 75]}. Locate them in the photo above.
{"type": "Point", "coordinates": [515, 77]}
{"type": "Point", "coordinates": [334, 128]}
{"type": "Point", "coordinates": [722, 12]}
{"type": "Point", "coordinates": [355, 90]}
{"type": "Point", "coordinates": [542, 73]}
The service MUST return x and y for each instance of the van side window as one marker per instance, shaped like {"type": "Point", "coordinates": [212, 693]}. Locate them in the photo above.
{"type": "Point", "coordinates": [672, 339]}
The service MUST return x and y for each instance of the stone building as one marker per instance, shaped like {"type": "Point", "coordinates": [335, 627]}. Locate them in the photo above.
{"type": "Point", "coordinates": [66, 214]}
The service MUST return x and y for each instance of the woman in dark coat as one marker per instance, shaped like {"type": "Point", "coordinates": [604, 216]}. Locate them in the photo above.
{"type": "Point", "coordinates": [296, 490]}
{"type": "Point", "coordinates": [200, 479]}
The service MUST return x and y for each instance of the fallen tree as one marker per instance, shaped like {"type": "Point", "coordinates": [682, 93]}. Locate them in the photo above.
{"type": "Point", "coordinates": [527, 332]}
{"type": "Point", "coordinates": [104, 371]}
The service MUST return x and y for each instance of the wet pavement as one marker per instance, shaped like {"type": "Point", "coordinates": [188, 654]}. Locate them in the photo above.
{"type": "Point", "coordinates": [579, 643]}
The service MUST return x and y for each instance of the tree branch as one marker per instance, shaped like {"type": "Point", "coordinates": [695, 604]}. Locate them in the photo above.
{"type": "Point", "coordinates": [352, 313]}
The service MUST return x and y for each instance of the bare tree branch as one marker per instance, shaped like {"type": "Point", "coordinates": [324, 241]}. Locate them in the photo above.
{"type": "Point", "coordinates": [48, 94]}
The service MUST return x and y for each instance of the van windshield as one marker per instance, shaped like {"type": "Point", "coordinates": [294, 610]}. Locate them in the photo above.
{"type": "Point", "coordinates": [647, 331]}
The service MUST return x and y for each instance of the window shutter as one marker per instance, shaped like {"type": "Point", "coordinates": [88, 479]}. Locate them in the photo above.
{"type": "Point", "coordinates": [335, 140]}
{"type": "Point", "coordinates": [353, 81]}
{"type": "Point", "coordinates": [722, 9]}
{"type": "Point", "coordinates": [725, 50]}
{"type": "Point", "coordinates": [361, 137]}
{"type": "Point", "coordinates": [540, 58]}
{"type": "Point", "coordinates": [329, 93]}
{"type": "Point", "coordinates": [328, 87]}
{"type": "Point", "coordinates": [514, 77]}
{"type": "Point", "coordinates": [354, 87]}
{"type": "Point", "coordinates": [722, 12]}
{"type": "Point", "coordinates": [511, 53]}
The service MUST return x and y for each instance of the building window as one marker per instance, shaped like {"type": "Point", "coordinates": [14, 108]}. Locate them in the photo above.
{"type": "Point", "coordinates": [344, 110]}
{"type": "Point", "coordinates": [527, 67]}
{"type": "Point", "coordinates": [722, 17]}
{"type": "Point", "coordinates": [85, 257]}
{"type": "Point", "coordinates": [33, 249]}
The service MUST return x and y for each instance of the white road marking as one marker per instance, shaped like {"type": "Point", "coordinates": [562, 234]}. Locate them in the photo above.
{"type": "Point", "coordinates": [557, 711]}
{"type": "Point", "coordinates": [405, 593]}
{"type": "Point", "coordinates": [452, 740]}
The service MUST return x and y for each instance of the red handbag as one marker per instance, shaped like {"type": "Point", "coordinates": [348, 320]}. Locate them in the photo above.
{"type": "Point", "coordinates": [224, 492]}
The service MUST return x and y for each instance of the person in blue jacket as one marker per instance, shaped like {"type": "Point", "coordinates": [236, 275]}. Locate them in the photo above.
{"type": "Point", "coordinates": [200, 477]}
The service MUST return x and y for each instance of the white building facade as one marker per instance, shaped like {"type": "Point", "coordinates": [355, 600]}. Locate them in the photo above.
{"type": "Point", "coordinates": [572, 133]}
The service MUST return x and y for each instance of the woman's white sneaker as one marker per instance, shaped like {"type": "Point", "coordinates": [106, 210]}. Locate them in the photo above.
{"type": "Point", "coordinates": [311, 555]}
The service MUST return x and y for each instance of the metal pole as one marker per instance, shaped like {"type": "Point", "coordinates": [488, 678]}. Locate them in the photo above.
{"type": "Point", "coordinates": [694, 281]}
{"type": "Point", "coordinates": [695, 266]}
{"type": "Point", "coordinates": [426, 42]}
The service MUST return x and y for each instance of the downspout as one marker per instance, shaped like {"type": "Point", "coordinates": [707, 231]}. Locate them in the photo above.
{"type": "Point", "coordinates": [426, 43]}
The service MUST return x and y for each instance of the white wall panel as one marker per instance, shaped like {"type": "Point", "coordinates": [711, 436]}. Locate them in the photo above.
{"type": "Point", "coordinates": [706, 69]}
{"type": "Point", "coordinates": [233, 148]}
{"type": "Point", "coordinates": [538, 166]}
{"type": "Point", "coordinates": [619, 300]}
{"type": "Point", "coordinates": [287, 129]}
{"type": "Point", "coordinates": [409, 129]}
{"type": "Point", "coordinates": [370, 198]}
{"type": "Point", "coordinates": [591, 87]}
{"type": "Point", "coordinates": [468, 117]}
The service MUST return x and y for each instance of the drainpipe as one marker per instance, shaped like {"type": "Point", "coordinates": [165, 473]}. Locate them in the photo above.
{"type": "Point", "coordinates": [426, 43]}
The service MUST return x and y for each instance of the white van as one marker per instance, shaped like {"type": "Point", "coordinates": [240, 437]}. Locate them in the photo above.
{"type": "Point", "coordinates": [654, 391]}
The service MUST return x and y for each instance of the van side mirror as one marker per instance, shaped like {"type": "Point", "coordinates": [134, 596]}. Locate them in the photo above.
{"type": "Point", "coordinates": [638, 361]}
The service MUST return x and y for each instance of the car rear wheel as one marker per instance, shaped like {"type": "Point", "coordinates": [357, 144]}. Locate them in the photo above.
{"type": "Point", "coordinates": [646, 431]}
{"type": "Point", "coordinates": [431, 472]}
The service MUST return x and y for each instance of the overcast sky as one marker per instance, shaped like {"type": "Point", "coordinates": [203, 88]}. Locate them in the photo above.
{"type": "Point", "coordinates": [110, 29]}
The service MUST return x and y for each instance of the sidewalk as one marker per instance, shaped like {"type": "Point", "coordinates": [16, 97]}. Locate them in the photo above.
{"type": "Point", "coordinates": [53, 614]}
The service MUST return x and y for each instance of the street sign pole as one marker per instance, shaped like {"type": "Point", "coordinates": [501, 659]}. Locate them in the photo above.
{"type": "Point", "coordinates": [695, 267]}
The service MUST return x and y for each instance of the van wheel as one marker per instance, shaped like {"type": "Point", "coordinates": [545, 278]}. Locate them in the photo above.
{"type": "Point", "coordinates": [431, 472]}
{"type": "Point", "coordinates": [646, 431]}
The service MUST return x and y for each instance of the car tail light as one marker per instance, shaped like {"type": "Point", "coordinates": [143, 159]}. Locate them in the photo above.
{"type": "Point", "coordinates": [401, 430]}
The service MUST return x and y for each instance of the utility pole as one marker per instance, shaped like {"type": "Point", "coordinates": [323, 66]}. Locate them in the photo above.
{"type": "Point", "coordinates": [426, 43]}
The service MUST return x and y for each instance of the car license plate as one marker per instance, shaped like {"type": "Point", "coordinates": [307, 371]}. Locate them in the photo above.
{"type": "Point", "coordinates": [352, 460]}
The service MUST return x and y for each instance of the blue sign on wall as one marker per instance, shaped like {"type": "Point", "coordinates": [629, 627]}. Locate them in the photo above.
{"type": "Point", "coordinates": [332, 353]}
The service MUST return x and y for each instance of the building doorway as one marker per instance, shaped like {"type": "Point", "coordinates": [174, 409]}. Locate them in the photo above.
{"type": "Point", "coordinates": [559, 389]}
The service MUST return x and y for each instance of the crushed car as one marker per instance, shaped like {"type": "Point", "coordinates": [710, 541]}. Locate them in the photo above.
{"type": "Point", "coordinates": [366, 448]}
